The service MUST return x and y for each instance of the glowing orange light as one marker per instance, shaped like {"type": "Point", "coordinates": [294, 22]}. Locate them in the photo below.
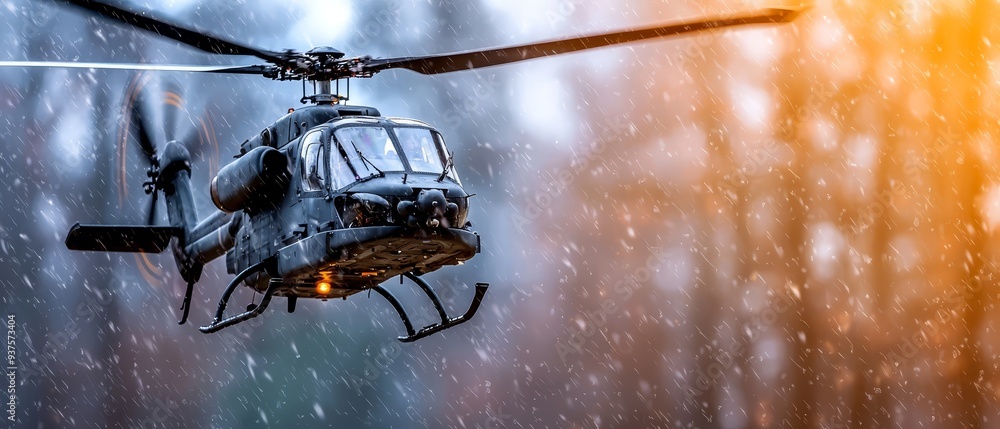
{"type": "Point", "coordinates": [323, 287]}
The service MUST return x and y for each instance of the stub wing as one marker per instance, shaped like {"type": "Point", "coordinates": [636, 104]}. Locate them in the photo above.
{"type": "Point", "coordinates": [118, 238]}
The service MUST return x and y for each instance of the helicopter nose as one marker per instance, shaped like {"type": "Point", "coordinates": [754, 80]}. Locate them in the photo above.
{"type": "Point", "coordinates": [432, 203]}
{"type": "Point", "coordinates": [431, 209]}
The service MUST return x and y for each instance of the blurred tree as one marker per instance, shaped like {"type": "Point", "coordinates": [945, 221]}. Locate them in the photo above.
{"type": "Point", "coordinates": [960, 42]}
{"type": "Point", "coordinates": [800, 326]}
{"type": "Point", "coordinates": [706, 226]}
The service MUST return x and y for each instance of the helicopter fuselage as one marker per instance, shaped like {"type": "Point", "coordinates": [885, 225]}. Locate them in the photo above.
{"type": "Point", "coordinates": [341, 220]}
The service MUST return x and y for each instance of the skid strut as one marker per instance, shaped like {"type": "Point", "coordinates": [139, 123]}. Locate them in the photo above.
{"type": "Point", "coordinates": [251, 312]}
{"type": "Point", "coordinates": [411, 334]}
{"type": "Point", "coordinates": [186, 304]}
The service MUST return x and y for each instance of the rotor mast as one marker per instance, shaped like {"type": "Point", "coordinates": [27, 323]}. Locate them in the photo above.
{"type": "Point", "coordinates": [326, 92]}
{"type": "Point", "coordinates": [326, 87]}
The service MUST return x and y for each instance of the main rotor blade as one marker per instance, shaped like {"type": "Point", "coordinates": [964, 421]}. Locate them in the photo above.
{"type": "Point", "coordinates": [151, 22]}
{"type": "Point", "coordinates": [150, 67]}
{"type": "Point", "coordinates": [445, 63]}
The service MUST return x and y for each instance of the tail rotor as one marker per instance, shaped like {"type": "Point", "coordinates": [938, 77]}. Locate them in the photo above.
{"type": "Point", "coordinates": [167, 100]}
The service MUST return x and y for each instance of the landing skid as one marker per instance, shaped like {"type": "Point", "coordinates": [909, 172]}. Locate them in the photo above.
{"type": "Point", "coordinates": [446, 322]}
{"type": "Point", "coordinates": [411, 335]}
{"type": "Point", "coordinates": [252, 311]}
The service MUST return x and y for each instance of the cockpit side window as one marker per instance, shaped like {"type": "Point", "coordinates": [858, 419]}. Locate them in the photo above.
{"type": "Point", "coordinates": [313, 168]}
{"type": "Point", "coordinates": [340, 172]}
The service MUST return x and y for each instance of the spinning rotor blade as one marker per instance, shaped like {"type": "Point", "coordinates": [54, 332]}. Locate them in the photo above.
{"type": "Point", "coordinates": [445, 63]}
{"type": "Point", "coordinates": [151, 22]}
{"type": "Point", "coordinates": [141, 119]}
{"type": "Point", "coordinates": [173, 104]}
{"type": "Point", "coordinates": [150, 67]}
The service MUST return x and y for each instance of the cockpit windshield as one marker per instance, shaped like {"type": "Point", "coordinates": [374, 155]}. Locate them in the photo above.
{"type": "Point", "coordinates": [369, 149]}
{"type": "Point", "coordinates": [373, 149]}
{"type": "Point", "coordinates": [421, 152]}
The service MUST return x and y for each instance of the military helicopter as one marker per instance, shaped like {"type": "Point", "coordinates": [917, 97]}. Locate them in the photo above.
{"type": "Point", "coordinates": [331, 199]}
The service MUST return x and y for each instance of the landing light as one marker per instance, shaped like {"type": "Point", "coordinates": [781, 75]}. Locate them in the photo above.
{"type": "Point", "coordinates": [323, 287]}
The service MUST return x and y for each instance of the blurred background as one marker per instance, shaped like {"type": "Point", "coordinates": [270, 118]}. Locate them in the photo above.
{"type": "Point", "coordinates": [765, 227]}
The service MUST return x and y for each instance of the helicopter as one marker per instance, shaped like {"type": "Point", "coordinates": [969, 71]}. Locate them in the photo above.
{"type": "Point", "coordinates": [331, 199]}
